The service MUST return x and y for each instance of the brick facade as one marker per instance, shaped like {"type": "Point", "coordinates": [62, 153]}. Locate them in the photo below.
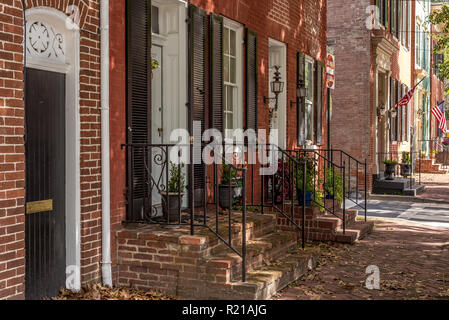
{"type": "Point", "coordinates": [356, 51]}
{"type": "Point", "coordinates": [301, 25]}
{"type": "Point", "coordinates": [12, 155]}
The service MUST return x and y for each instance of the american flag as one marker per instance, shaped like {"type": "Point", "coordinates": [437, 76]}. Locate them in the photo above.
{"type": "Point", "coordinates": [406, 99]}
{"type": "Point", "coordinates": [440, 113]}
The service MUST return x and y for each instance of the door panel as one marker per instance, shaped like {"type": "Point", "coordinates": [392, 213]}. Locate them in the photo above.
{"type": "Point", "coordinates": [45, 183]}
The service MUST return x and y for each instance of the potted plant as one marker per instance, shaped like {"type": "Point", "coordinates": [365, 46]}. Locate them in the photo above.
{"type": "Point", "coordinates": [390, 169]}
{"type": "Point", "coordinates": [227, 186]}
{"type": "Point", "coordinates": [154, 66]}
{"type": "Point", "coordinates": [172, 198]}
{"type": "Point", "coordinates": [310, 167]}
{"type": "Point", "coordinates": [334, 185]}
{"type": "Point", "coordinates": [281, 182]}
{"type": "Point", "coordinates": [406, 165]}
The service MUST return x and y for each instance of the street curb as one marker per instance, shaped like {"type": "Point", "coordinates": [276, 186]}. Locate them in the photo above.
{"type": "Point", "coordinates": [405, 199]}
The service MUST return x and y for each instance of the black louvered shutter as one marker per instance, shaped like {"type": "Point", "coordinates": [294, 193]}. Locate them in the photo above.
{"type": "Point", "coordinates": [398, 112]}
{"type": "Point", "coordinates": [138, 98]}
{"type": "Point", "coordinates": [319, 102]}
{"type": "Point", "coordinates": [198, 86]}
{"type": "Point", "coordinates": [251, 80]}
{"type": "Point", "coordinates": [407, 129]}
{"type": "Point", "coordinates": [300, 101]}
{"type": "Point", "coordinates": [392, 120]}
{"type": "Point", "coordinates": [404, 117]}
{"type": "Point", "coordinates": [216, 72]}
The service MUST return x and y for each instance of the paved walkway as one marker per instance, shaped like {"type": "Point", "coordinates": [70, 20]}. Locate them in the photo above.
{"type": "Point", "coordinates": [437, 187]}
{"type": "Point", "coordinates": [413, 261]}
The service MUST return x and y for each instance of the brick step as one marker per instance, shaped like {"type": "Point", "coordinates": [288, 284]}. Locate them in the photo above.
{"type": "Point", "coordinates": [356, 231]}
{"type": "Point", "coordinates": [264, 282]}
{"type": "Point", "coordinates": [257, 225]}
{"type": "Point", "coordinates": [321, 222]}
{"type": "Point", "coordinates": [227, 265]}
{"type": "Point", "coordinates": [351, 215]}
{"type": "Point", "coordinates": [431, 166]}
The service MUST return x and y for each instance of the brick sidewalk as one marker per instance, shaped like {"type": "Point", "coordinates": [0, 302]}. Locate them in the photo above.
{"type": "Point", "coordinates": [413, 260]}
{"type": "Point", "coordinates": [437, 187]}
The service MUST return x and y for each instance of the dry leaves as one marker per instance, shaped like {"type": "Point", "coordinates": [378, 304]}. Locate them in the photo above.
{"type": "Point", "coordinates": [97, 292]}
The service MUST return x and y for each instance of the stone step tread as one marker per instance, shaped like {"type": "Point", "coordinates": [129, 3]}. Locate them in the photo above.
{"type": "Point", "coordinates": [227, 258]}
{"type": "Point", "coordinates": [255, 222]}
{"type": "Point", "coordinates": [354, 232]}
{"type": "Point", "coordinates": [263, 283]}
{"type": "Point", "coordinates": [338, 221]}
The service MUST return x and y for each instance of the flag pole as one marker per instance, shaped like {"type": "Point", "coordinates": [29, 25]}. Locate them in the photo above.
{"type": "Point", "coordinates": [420, 82]}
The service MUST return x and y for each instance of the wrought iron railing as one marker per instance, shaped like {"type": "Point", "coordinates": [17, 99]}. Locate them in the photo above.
{"type": "Point", "coordinates": [341, 168]}
{"type": "Point", "coordinates": [159, 193]}
{"type": "Point", "coordinates": [356, 177]}
{"type": "Point", "coordinates": [156, 196]}
{"type": "Point", "coordinates": [284, 186]}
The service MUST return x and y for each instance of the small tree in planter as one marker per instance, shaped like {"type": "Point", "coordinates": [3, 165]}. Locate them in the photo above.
{"type": "Point", "coordinates": [406, 165]}
{"type": "Point", "coordinates": [228, 181]}
{"type": "Point", "coordinates": [334, 185]}
{"type": "Point", "coordinates": [390, 169]}
{"type": "Point", "coordinates": [172, 199]}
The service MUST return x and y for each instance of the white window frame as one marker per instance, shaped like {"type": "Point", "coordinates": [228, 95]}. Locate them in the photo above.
{"type": "Point", "coordinates": [310, 136]}
{"type": "Point", "coordinates": [238, 85]}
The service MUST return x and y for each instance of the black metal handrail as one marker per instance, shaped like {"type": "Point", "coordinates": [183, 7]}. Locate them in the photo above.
{"type": "Point", "coordinates": [155, 196]}
{"type": "Point", "coordinates": [347, 159]}
{"type": "Point", "coordinates": [292, 164]}
{"type": "Point", "coordinates": [233, 172]}
{"type": "Point", "coordinates": [144, 184]}
{"type": "Point", "coordinates": [323, 166]}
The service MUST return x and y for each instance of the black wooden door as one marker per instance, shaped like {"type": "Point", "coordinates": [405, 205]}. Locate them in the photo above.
{"type": "Point", "coordinates": [45, 183]}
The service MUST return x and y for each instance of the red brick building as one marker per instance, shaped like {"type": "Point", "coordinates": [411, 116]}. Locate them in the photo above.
{"type": "Point", "coordinates": [50, 177]}
{"type": "Point", "coordinates": [220, 78]}
{"type": "Point", "coordinates": [50, 111]}
{"type": "Point", "coordinates": [379, 59]}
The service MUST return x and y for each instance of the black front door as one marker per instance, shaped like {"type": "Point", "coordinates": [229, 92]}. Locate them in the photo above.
{"type": "Point", "coordinates": [45, 183]}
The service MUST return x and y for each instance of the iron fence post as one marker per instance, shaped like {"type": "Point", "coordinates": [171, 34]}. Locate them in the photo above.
{"type": "Point", "coordinates": [244, 228]}
{"type": "Point", "coordinates": [344, 198]}
{"type": "Point", "coordinates": [366, 189]}
{"type": "Point", "coordinates": [304, 186]}
{"type": "Point", "coordinates": [191, 186]}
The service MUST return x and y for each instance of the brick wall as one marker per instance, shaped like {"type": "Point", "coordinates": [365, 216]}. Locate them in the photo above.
{"type": "Point", "coordinates": [12, 155]}
{"type": "Point", "coordinates": [351, 98]}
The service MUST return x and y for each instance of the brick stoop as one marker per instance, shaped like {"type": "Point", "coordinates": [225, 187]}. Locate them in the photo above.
{"type": "Point", "coordinates": [322, 226]}
{"type": "Point", "coordinates": [201, 267]}
{"type": "Point", "coordinates": [430, 166]}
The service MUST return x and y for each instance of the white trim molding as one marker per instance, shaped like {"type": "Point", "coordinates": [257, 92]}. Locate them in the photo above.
{"type": "Point", "coordinates": [53, 46]}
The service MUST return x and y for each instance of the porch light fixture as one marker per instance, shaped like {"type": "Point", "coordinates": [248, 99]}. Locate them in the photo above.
{"type": "Point", "coordinates": [393, 113]}
{"type": "Point", "coordinates": [277, 87]}
{"type": "Point", "coordinates": [381, 111]}
{"type": "Point", "coordinates": [420, 113]}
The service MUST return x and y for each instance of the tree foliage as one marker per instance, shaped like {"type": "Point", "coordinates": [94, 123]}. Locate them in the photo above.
{"type": "Point", "coordinates": [441, 17]}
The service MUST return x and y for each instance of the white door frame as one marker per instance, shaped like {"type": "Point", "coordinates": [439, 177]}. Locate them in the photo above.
{"type": "Point", "coordinates": [63, 56]}
{"type": "Point", "coordinates": [278, 51]}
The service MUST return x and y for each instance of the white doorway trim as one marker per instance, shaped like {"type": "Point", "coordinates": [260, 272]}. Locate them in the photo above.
{"type": "Point", "coordinates": [63, 58]}
{"type": "Point", "coordinates": [278, 56]}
